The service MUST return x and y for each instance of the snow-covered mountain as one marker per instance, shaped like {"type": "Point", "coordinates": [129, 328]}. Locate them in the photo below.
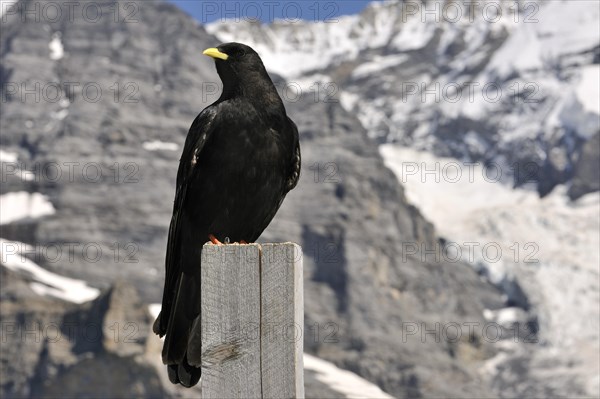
{"type": "Point", "coordinates": [481, 111]}
{"type": "Point", "coordinates": [544, 253]}
{"type": "Point", "coordinates": [513, 83]}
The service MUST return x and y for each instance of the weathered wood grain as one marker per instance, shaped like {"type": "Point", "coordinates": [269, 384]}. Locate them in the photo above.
{"type": "Point", "coordinates": [282, 321]}
{"type": "Point", "coordinates": [230, 321]}
{"type": "Point", "coordinates": [252, 321]}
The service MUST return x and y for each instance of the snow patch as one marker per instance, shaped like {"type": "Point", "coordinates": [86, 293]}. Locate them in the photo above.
{"type": "Point", "coordinates": [154, 309]}
{"type": "Point", "coordinates": [562, 28]}
{"type": "Point", "coordinates": [349, 100]}
{"type": "Point", "coordinates": [5, 5]}
{"type": "Point", "coordinates": [57, 50]}
{"type": "Point", "coordinates": [157, 145]}
{"type": "Point", "coordinates": [549, 245]}
{"type": "Point", "coordinates": [12, 157]}
{"type": "Point", "coordinates": [26, 175]}
{"type": "Point", "coordinates": [9, 157]}
{"type": "Point", "coordinates": [464, 188]}
{"type": "Point", "coordinates": [21, 205]}
{"type": "Point", "coordinates": [505, 316]}
{"type": "Point", "coordinates": [45, 282]}
{"type": "Point", "coordinates": [415, 34]}
{"type": "Point", "coordinates": [378, 64]}
{"type": "Point", "coordinates": [60, 115]}
{"type": "Point", "coordinates": [588, 89]}
{"type": "Point", "coordinates": [343, 381]}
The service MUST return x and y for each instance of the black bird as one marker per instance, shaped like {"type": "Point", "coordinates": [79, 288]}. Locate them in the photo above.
{"type": "Point", "coordinates": [241, 157]}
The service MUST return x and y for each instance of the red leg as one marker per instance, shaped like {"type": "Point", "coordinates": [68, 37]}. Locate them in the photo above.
{"type": "Point", "coordinates": [214, 240]}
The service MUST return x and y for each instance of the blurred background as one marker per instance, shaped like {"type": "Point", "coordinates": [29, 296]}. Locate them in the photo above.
{"type": "Point", "coordinates": [448, 207]}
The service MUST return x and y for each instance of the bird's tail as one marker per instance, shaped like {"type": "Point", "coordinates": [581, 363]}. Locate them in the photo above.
{"type": "Point", "coordinates": [181, 349]}
{"type": "Point", "coordinates": [184, 373]}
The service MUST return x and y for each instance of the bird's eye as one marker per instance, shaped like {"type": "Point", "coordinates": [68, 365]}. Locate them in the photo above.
{"type": "Point", "coordinates": [241, 52]}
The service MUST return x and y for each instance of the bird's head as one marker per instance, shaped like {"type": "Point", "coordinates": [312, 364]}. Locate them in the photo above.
{"type": "Point", "coordinates": [239, 67]}
{"type": "Point", "coordinates": [233, 53]}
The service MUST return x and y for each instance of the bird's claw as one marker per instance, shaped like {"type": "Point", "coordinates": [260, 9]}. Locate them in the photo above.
{"type": "Point", "coordinates": [215, 241]}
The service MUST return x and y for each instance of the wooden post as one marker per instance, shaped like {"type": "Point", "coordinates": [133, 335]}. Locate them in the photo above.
{"type": "Point", "coordinates": [282, 321]}
{"type": "Point", "coordinates": [252, 321]}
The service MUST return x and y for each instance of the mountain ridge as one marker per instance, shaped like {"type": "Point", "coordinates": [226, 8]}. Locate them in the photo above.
{"type": "Point", "coordinates": [456, 80]}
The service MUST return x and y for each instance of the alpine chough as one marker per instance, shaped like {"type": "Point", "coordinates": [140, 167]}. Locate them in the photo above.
{"type": "Point", "coordinates": [241, 157]}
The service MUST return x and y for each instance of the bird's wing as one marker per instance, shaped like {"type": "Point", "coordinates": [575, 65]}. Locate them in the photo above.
{"type": "Point", "coordinates": [198, 135]}
{"type": "Point", "coordinates": [294, 174]}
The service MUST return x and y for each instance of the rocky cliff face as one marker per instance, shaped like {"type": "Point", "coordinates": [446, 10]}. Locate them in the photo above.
{"type": "Point", "coordinates": [112, 87]}
{"type": "Point", "coordinates": [586, 178]}
{"type": "Point", "coordinates": [376, 303]}
{"type": "Point", "coordinates": [100, 349]}
{"type": "Point", "coordinates": [354, 226]}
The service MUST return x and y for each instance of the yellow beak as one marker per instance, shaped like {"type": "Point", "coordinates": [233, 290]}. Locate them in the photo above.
{"type": "Point", "coordinates": [215, 53]}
